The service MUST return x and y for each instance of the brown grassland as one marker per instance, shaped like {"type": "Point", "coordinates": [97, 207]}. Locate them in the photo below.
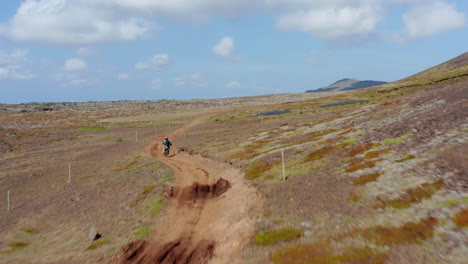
{"type": "Point", "coordinates": [380, 181]}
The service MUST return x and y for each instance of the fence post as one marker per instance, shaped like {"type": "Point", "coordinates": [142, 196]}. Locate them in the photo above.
{"type": "Point", "coordinates": [69, 172]}
{"type": "Point", "coordinates": [8, 195]}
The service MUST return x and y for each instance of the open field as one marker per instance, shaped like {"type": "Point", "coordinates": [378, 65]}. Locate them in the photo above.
{"type": "Point", "coordinates": [376, 175]}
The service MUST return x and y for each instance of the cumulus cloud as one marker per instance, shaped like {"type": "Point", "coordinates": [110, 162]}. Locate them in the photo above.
{"type": "Point", "coordinates": [194, 80]}
{"type": "Point", "coordinates": [86, 22]}
{"type": "Point", "coordinates": [225, 47]}
{"type": "Point", "coordinates": [332, 23]}
{"type": "Point", "coordinates": [432, 18]}
{"type": "Point", "coordinates": [232, 85]}
{"type": "Point", "coordinates": [157, 62]}
{"type": "Point", "coordinates": [77, 22]}
{"type": "Point", "coordinates": [71, 79]}
{"type": "Point", "coordinates": [74, 64]}
{"type": "Point", "coordinates": [12, 65]}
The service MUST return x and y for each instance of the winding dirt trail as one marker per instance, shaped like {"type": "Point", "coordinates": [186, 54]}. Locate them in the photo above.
{"type": "Point", "coordinates": [210, 217]}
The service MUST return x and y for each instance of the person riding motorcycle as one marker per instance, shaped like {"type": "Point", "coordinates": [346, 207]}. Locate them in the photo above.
{"type": "Point", "coordinates": [167, 144]}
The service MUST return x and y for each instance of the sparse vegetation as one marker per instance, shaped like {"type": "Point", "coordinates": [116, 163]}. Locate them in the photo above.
{"type": "Point", "coordinates": [15, 246]}
{"type": "Point", "coordinates": [391, 141]}
{"type": "Point", "coordinates": [360, 164]}
{"type": "Point", "coordinates": [324, 254]}
{"type": "Point", "coordinates": [143, 195]}
{"type": "Point", "coordinates": [142, 232]}
{"type": "Point", "coordinates": [91, 128]}
{"type": "Point", "coordinates": [408, 233]}
{"type": "Point", "coordinates": [461, 218]}
{"type": "Point", "coordinates": [98, 243]}
{"type": "Point", "coordinates": [30, 230]}
{"type": "Point", "coordinates": [376, 153]}
{"type": "Point", "coordinates": [412, 195]}
{"type": "Point", "coordinates": [409, 157]}
{"type": "Point", "coordinates": [273, 237]}
{"type": "Point", "coordinates": [258, 168]}
{"type": "Point", "coordinates": [366, 178]}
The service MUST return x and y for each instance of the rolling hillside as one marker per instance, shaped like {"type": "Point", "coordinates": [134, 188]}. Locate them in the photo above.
{"type": "Point", "coordinates": [376, 175]}
{"type": "Point", "coordinates": [347, 85]}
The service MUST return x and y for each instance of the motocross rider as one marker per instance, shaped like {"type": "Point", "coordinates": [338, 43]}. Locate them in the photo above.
{"type": "Point", "coordinates": [166, 143]}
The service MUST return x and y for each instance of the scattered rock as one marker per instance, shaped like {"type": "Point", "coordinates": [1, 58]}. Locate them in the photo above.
{"type": "Point", "coordinates": [306, 225]}
{"type": "Point", "coordinates": [93, 234]}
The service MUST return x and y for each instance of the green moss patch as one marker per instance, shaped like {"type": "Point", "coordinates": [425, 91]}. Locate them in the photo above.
{"type": "Point", "coordinates": [273, 237]}
{"type": "Point", "coordinates": [30, 230]}
{"type": "Point", "coordinates": [98, 243]}
{"type": "Point", "coordinates": [91, 128]}
{"type": "Point", "coordinates": [409, 157]}
{"type": "Point", "coordinates": [142, 232]}
{"type": "Point", "coordinates": [15, 246]}
{"type": "Point", "coordinates": [391, 141]}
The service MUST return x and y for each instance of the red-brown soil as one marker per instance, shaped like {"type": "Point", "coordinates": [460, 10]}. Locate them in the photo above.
{"type": "Point", "coordinates": [204, 220]}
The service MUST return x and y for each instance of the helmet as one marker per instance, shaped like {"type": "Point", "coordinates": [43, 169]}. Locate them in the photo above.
{"type": "Point", "coordinates": [166, 138]}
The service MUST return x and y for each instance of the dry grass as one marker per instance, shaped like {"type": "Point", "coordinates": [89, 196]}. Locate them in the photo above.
{"type": "Point", "coordinates": [366, 178]}
{"type": "Point", "coordinates": [143, 195]}
{"type": "Point", "coordinates": [360, 164]}
{"type": "Point", "coordinates": [318, 253]}
{"type": "Point", "coordinates": [359, 150]}
{"type": "Point", "coordinates": [259, 168]}
{"type": "Point", "coordinates": [461, 218]}
{"type": "Point", "coordinates": [376, 153]}
{"type": "Point", "coordinates": [320, 153]}
{"type": "Point", "coordinates": [408, 233]}
{"type": "Point", "coordinates": [412, 195]}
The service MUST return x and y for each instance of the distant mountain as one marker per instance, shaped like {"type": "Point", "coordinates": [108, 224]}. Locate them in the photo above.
{"type": "Point", "coordinates": [346, 85]}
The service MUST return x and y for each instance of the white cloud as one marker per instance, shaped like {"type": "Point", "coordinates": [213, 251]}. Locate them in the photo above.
{"type": "Point", "coordinates": [12, 64]}
{"type": "Point", "coordinates": [71, 79]}
{"type": "Point", "coordinates": [123, 76]}
{"type": "Point", "coordinates": [77, 22]}
{"type": "Point", "coordinates": [157, 62]}
{"type": "Point", "coordinates": [86, 22]}
{"type": "Point", "coordinates": [179, 82]}
{"type": "Point", "coordinates": [74, 64]}
{"type": "Point", "coordinates": [432, 18]}
{"type": "Point", "coordinates": [232, 85]}
{"type": "Point", "coordinates": [225, 47]}
{"type": "Point", "coordinates": [193, 80]}
{"type": "Point", "coordinates": [332, 23]}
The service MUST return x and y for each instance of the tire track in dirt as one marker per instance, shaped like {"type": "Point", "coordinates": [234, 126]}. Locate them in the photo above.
{"type": "Point", "coordinates": [211, 216]}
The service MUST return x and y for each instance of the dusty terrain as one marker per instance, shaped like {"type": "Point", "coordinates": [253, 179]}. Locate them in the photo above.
{"type": "Point", "coordinates": [371, 176]}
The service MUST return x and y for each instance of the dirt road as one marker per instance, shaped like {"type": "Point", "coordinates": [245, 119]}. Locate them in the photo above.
{"type": "Point", "coordinates": [211, 213]}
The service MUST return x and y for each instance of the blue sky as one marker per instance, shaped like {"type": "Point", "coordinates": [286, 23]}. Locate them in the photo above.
{"type": "Point", "coordinates": [82, 50]}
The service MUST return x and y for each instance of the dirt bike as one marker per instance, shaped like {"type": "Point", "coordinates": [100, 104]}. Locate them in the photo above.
{"type": "Point", "coordinates": [166, 151]}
